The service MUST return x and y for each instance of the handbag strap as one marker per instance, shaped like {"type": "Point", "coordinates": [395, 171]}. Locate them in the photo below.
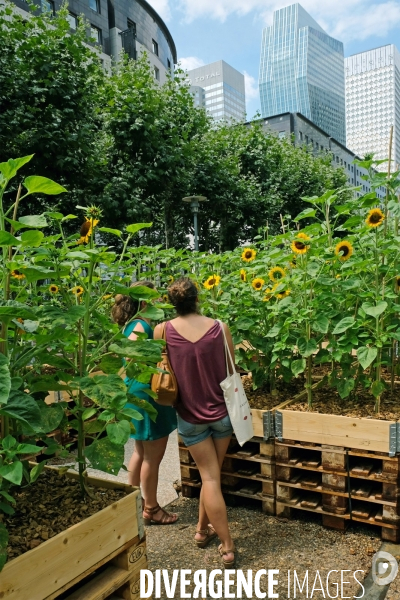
{"type": "Point", "coordinates": [227, 351]}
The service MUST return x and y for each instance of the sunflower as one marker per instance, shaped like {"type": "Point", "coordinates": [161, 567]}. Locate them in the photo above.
{"type": "Point", "coordinates": [375, 217]}
{"type": "Point", "coordinates": [170, 278]}
{"type": "Point", "coordinates": [276, 273]}
{"type": "Point", "coordinates": [21, 331]}
{"type": "Point", "coordinates": [248, 254]}
{"type": "Point", "coordinates": [298, 247]}
{"type": "Point", "coordinates": [243, 275]}
{"type": "Point", "coordinates": [344, 250]}
{"type": "Point", "coordinates": [17, 274]}
{"type": "Point", "coordinates": [53, 289]}
{"type": "Point", "coordinates": [257, 283]}
{"type": "Point", "coordinates": [268, 294]}
{"type": "Point", "coordinates": [87, 230]}
{"type": "Point", "coordinates": [283, 294]}
{"type": "Point", "coordinates": [303, 236]}
{"type": "Point", "coordinates": [397, 280]}
{"type": "Point", "coordinates": [212, 282]}
{"type": "Point", "coordinates": [77, 290]}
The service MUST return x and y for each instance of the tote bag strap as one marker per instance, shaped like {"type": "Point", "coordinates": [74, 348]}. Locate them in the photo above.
{"type": "Point", "coordinates": [227, 352]}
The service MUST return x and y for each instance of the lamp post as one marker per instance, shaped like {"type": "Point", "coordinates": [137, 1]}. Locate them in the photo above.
{"type": "Point", "coordinates": [194, 205]}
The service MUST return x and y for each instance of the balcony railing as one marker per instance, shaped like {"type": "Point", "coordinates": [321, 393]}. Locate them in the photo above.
{"type": "Point", "coordinates": [128, 37]}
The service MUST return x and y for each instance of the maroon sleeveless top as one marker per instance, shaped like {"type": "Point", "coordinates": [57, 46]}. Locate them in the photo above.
{"type": "Point", "coordinates": [199, 368]}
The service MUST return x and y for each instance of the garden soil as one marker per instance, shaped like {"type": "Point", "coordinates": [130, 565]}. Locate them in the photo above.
{"type": "Point", "coordinates": [326, 400]}
{"type": "Point", "coordinates": [49, 507]}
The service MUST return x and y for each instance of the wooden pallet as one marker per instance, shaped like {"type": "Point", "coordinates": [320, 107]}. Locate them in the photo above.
{"type": "Point", "coordinates": [341, 485]}
{"type": "Point", "coordinates": [247, 472]}
{"type": "Point", "coordinates": [119, 576]}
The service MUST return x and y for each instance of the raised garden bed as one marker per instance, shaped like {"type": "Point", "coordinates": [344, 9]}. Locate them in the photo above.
{"type": "Point", "coordinates": [92, 559]}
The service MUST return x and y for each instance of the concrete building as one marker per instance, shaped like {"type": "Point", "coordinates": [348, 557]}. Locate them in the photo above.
{"type": "Point", "coordinates": [373, 103]}
{"type": "Point", "coordinates": [303, 132]}
{"type": "Point", "coordinates": [116, 25]}
{"type": "Point", "coordinates": [302, 71]}
{"type": "Point", "coordinates": [220, 89]}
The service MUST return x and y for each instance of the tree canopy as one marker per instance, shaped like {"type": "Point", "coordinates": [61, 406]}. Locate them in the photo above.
{"type": "Point", "coordinates": [137, 148]}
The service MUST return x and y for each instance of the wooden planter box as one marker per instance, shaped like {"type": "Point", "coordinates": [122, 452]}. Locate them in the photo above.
{"type": "Point", "coordinates": [112, 540]}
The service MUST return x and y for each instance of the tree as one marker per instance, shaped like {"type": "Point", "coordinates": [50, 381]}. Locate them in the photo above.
{"type": "Point", "coordinates": [49, 102]}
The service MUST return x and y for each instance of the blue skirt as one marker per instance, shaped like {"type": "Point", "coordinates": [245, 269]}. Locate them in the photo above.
{"type": "Point", "coordinates": [146, 429]}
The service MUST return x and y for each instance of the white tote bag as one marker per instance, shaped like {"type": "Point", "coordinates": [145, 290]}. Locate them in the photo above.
{"type": "Point", "coordinates": [235, 399]}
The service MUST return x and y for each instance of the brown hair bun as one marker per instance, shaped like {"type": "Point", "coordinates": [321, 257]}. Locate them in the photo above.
{"type": "Point", "coordinates": [182, 294]}
{"type": "Point", "coordinates": [125, 307]}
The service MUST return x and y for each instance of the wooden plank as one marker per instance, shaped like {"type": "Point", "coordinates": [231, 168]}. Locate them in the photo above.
{"type": "Point", "coordinates": [93, 568]}
{"type": "Point", "coordinates": [258, 423]}
{"type": "Point", "coordinates": [129, 558]}
{"type": "Point", "coordinates": [40, 572]}
{"type": "Point", "coordinates": [371, 434]}
{"type": "Point", "coordinates": [107, 582]}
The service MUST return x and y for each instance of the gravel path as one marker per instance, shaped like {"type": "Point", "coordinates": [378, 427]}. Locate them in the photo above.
{"type": "Point", "coordinates": [265, 542]}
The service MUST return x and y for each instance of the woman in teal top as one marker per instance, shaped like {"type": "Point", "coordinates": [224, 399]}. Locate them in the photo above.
{"type": "Point", "coordinates": [150, 438]}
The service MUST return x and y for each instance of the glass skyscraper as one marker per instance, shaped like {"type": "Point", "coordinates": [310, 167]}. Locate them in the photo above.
{"type": "Point", "coordinates": [373, 103]}
{"type": "Point", "coordinates": [302, 70]}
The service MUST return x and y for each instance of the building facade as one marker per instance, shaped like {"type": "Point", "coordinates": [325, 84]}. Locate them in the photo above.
{"type": "Point", "coordinates": [303, 132]}
{"type": "Point", "coordinates": [373, 103]}
{"type": "Point", "coordinates": [220, 89]}
{"type": "Point", "coordinates": [132, 26]}
{"type": "Point", "coordinates": [302, 71]}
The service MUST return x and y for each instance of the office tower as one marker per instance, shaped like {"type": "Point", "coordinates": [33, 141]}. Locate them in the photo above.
{"type": "Point", "coordinates": [373, 103]}
{"type": "Point", "coordinates": [220, 89]}
{"type": "Point", "coordinates": [115, 25]}
{"type": "Point", "coordinates": [302, 70]}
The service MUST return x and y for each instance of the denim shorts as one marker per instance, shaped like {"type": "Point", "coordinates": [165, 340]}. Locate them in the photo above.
{"type": "Point", "coordinates": [192, 433]}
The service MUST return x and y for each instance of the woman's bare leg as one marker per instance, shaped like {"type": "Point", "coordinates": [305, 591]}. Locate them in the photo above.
{"type": "Point", "coordinates": [208, 462]}
{"type": "Point", "coordinates": [221, 446]}
{"type": "Point", "coordinates": [152, 457]}
{"type": "Point", "coordinates": [135, 464]}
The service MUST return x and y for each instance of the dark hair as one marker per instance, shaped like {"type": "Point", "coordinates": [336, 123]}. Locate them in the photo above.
{"type": "Point", "coordinates": [126, 307]}
{"type": "Point", "coordinates": [183, 293]}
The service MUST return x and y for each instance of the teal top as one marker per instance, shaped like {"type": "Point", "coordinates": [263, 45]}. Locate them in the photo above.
{"type": "Point", "coordinates": [146, 429]}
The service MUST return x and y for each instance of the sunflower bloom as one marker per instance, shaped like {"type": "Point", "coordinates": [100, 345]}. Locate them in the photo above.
{"type": "Point", "coordinates": [87, 230]}
{"type": "Point", "coordinates": [303, 236]}
{"type": "Point", "coordinates": [248, 254]}
{"type": "Point", "coordinates": [283, 294]}
{"type": "Point", "coordinates": [257, 283]}
{"type": "Point", "coordinates": [268, 294]}
{"type": "Point", "coordinates": [344, 250]}
{"type": "Point", "coordinates": [17, 274]}
{"type": "Point", "coordinates": [53, 289]}
{"type": "Point", "coordinates": [212, 282]}
{"type": "Point", "coordinates": [375, 217]}
{"type": "Point", "coordinates": [21, 331]}
{"type": "Point", "coordinates": [243, 275]}
{"type": "Point", "coordinates": [276, 273]}
{"type": "Point", "coordinates": [298, 247]}
{"type": "Point", "coordinates": [77, 290]}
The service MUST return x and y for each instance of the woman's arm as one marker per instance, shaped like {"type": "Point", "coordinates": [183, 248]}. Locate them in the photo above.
{"type": "Point", "coordinates": [138, 327]}
{"type": "Point", "coordinates": [229, 340]}
{"type": "Point", "coordinates": [158, 332]}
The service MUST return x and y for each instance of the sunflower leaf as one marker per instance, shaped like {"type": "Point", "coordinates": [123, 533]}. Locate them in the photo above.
{"type": "Point", "coordinates": [366, 356]}
{"type": "Point", "coordinates": [343, 325]}
{"type": "Point", "coordinates": [374, 311]}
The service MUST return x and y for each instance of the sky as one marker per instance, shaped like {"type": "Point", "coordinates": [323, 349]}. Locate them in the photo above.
{"type": "Point", "coordinates": [208, 30]}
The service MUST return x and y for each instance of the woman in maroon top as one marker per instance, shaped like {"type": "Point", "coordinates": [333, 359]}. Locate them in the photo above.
{"type": "Point", "coordinates": [197, 355]}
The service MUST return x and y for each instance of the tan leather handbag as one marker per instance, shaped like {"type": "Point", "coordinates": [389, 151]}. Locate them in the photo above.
{"type": "Point", "coordinates": [165, 384]}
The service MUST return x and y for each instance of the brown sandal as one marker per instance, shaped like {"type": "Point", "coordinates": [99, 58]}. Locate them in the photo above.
{"type": "Point", "coordinates": [166, 519]}
{"type": "Point", "coordinates": [210, 534]}
{"type": "Point", "coordinates": [227, 563]}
